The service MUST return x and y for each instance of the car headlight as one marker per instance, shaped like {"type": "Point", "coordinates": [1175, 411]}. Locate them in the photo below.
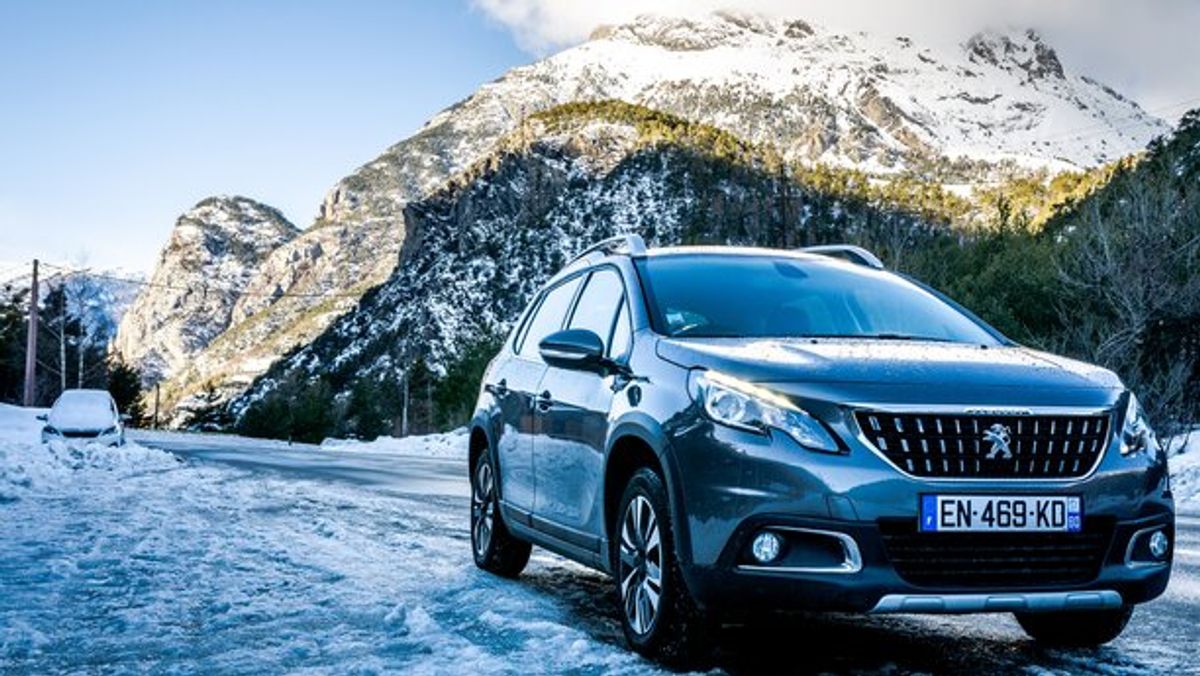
{"type": "Point", "coordinates": [111, 430]}
{"type": "Point", "coordinates": [747, 406]}
{"type": "Point", "coordinates": [51, 430]}
{"type": "Point", "coordinates": [1136, 435]}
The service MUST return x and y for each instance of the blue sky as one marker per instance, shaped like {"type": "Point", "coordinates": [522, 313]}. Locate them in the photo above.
{"type": "Point", "coordinates": [117, 116]}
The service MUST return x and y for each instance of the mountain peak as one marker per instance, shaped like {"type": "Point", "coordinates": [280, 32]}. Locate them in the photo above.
{"type": "Point", "coordinates": [235, 212]}
{"type": "Point", "coordinates": [212, 252]}
{"type": "Point", "coordinates": [1015, 50]}
{"type": "Point", "coordinates": [725, 28]}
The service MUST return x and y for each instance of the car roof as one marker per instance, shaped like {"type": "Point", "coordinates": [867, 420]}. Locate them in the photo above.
{"type": "Point", "coordinates": [86, 394]}
{"type": "Point", "coordinates": [727, 250]}
{"type": "Point", "coordinates": [598, 257]}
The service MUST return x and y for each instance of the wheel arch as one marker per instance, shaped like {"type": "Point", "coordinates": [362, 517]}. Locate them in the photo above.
{"type": "Point", "coordinates": [481, 437]}
{"type": "Point", "coordinates": [634, 443]}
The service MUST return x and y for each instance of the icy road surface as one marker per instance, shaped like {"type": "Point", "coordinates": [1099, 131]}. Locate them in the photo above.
{"type": "Point", "coordinates": [223, 555]}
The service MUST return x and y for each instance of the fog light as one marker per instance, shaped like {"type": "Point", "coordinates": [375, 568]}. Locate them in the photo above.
{"type": "Point", "coordinates": [765, 547]}
{"type": "Point", "coordinates": [1158, 544]}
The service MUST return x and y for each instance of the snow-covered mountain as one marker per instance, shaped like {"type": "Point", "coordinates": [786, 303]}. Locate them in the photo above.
{"type": "Point", "coordinates": [98, 298]}
{"type": "Point", "coordinates": [884, 104]}
{"type": "Point", "coordinates": [478, 249]}
{"type": "Point", "coordinates": [201, 275]}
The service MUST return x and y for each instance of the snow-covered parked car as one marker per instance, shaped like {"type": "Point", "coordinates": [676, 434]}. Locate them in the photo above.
{"type": "Point", "coordinates": [84, 415]}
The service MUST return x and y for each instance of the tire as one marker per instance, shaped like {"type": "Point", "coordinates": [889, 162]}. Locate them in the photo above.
{"type": "Point", "coordinates": [494, 547]}
{"type": "Point", "coordinates": [673, 630]}
{"type": "Point", "coordinates": [1075, 629]}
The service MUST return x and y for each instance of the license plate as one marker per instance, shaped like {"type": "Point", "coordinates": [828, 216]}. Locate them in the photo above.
{"type": "Point", "coordinates": [999, 513]}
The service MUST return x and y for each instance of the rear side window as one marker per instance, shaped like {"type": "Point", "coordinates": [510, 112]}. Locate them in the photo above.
{"type": "Point", "coordinates": [549, 317]}
{"type": "Point", "coordinates": [599, 303]}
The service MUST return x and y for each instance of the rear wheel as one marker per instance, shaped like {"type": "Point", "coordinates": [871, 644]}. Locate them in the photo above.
{"type": "Point", "coordinates": [495, 549]}
{"type": "Point", "coordinates": [658, 615]}
{"type": "Point", "coordinates": [1076, 629]}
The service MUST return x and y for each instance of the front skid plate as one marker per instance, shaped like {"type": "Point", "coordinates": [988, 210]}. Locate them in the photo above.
{"type": "Point", "coordinates": [1032, 602]}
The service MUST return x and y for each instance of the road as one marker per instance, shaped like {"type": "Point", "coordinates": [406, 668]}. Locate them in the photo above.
{"type": "Point", "coordinates": [414, 476]}
{"type": "Point", "coordinates": [1161, 638]}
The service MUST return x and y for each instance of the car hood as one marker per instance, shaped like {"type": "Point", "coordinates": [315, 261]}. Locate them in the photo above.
{"type": "Point", "coordinates": [888, 371]}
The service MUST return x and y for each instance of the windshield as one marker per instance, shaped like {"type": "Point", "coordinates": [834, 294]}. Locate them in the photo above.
{"type": "Point", "coordinates": [727, 296]}
{"type": "Point", "coordinates": [83, 410]}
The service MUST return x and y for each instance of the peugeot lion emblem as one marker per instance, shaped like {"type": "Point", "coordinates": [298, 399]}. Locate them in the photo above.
{"type": "Point", "coordinates": [999, 436]}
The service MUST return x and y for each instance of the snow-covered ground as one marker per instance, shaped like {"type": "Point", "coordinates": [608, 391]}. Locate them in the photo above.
{"type": "Point", "coordinates": [1185, 471]}
{"type": "Point", "coordinates": [223, 555]}
{"type": "Point", "coordinates": [134, 559]}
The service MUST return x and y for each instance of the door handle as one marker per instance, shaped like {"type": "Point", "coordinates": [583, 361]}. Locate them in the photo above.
{"type": "Point", "coordinates": [544, 401]}
{"type": "Point", "coordinates": [499, 389]}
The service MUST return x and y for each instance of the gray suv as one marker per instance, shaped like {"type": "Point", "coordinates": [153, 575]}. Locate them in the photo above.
{"type": "Point", "coordinates": [731, 431]}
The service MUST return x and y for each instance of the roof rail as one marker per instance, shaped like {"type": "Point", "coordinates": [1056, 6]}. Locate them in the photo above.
{"type": "Point", "coordinates": [630, 244]}
{"type": "Point", "coordinates": [847, 252]}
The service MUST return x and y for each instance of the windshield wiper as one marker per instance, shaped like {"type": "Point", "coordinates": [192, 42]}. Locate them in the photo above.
{"type": "Point", "coordinates": [879, 336]}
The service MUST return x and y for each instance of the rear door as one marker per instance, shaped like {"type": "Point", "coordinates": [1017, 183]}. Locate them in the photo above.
{"type": "Point", "coordinates": [515, 388]}
{"type": "Point", "coordinates": [574, 407]}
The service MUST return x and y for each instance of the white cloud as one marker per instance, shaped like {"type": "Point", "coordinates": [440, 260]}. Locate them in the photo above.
{"type": "Point", "coordinates": [1146, 49]}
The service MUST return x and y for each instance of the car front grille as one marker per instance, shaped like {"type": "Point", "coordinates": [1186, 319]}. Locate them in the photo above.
{"type": "Point", "coordinates": [996, 560]}
{"type": "Point", "coordinates": [74, 434]}
{"type": "Point", "coordinates": [973, 446]}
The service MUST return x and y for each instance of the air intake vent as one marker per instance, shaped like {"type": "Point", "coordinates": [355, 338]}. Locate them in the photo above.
{"type": "Point", "coordinates": [996, 560]}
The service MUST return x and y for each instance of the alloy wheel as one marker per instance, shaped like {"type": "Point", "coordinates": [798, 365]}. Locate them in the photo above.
{"type": "Point", "coordinates": [483, 508]}
{"type": "Point", "coordinates": [640, 568]}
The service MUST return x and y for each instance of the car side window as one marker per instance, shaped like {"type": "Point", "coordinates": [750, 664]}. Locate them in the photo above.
{"type": "Point", "coordinates": [599, 303]}
{"type": "Point", "coordinates": [549, 317]}
{"type": "Point", "coordinates": [622, 334]}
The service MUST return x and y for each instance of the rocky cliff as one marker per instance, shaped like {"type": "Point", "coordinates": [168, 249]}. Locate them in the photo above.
{"type": "Point", "coordinates": [202, 273]}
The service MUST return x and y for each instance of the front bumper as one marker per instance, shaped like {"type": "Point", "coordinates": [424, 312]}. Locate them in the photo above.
{"type": "Point", "coordinates": [111, 439]}
{"type": "Point", "coordinates": [730, 485]}
{"type": "Point", "coordinates": [875, 586]}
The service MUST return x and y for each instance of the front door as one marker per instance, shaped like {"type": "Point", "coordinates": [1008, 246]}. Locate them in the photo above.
{"type": "Point", "coordinates": [574, 405]}
{"type": "Point", "coordinates": [516, 387]}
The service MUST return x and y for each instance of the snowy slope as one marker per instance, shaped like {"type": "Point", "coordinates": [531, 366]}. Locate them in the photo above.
{"type": "Point", "coordinates": [857, 99]}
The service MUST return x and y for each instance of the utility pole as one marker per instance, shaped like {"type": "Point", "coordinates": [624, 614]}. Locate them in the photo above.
{"type": "Point", "coordinates": [79, 291]}
{"type": "Point", "coordinates": [404, 405]}
{"type": "Point", "coordinates": [31, 341]}
{"type": "Point", "coordinates": [62, 338]}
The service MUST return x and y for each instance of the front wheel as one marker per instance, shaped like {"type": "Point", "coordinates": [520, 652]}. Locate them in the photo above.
{"type": "Point", "coordinates": [658, 615]}
{"type": "Point", "coordinates": [1075, 629]}
{"type": "Point", "coordinates": [496, 550]}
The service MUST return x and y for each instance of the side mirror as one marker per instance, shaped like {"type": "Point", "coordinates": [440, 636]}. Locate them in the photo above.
{"type": "Point", "coordinates": [125, 417]}
{"type": "Point", "coordinates": [43, 417]}
{"type": "Point", "coordinates": [573, 349]}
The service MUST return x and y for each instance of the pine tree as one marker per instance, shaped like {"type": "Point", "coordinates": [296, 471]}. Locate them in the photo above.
{"type": "Point", "coordinates": [12, 344]}
{"type": "Point", "coordinates": [125, 386]}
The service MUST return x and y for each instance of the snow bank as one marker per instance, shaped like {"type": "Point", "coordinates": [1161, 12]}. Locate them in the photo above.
{"type": "Point", "coordinates": [1185, 473]}
{"type": "Point", "coordinates": [20, 424]}
{"type": "Point", "coordinates": [447, 445]}
{"type": "Point", "coordinates": [28, 466]}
